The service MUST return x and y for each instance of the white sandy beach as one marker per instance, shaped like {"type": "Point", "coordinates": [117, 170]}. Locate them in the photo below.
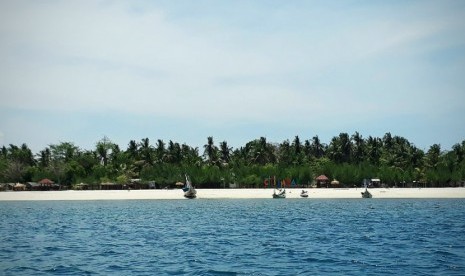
{"type": "Point", "coordinates": [232, 193]}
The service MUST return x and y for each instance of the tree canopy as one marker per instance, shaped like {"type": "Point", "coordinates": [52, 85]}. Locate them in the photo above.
{"type": "Point", "coordinates": [347, 158]}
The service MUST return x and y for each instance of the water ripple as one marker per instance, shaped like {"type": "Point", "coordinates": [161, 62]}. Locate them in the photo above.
{"type": "Point", "coordinates": [233, 237]}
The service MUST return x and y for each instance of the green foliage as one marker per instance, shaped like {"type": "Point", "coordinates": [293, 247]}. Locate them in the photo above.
{"type": "Point", "coordinates": [122, 179]}
{"type": "Point", "coordinates": [347, 158]}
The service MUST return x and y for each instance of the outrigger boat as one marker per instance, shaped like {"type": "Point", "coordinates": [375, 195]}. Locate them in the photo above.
{"type": "Point", "coordinates": [366, 194]}
{"type": "Point", "coordinates": [281, 193]}
{"type": "Point", "coordinates": [304, 193]}
{"type": "Point", "coordinates": [189, 190]}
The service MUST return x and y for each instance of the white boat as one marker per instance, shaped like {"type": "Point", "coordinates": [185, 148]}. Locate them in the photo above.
{"type": "Point", "coordinates": [304, 193]}
{"type": "Point", "coordinates": [280, 194]}
{"type": "Point", "coordinates": [189, 190]}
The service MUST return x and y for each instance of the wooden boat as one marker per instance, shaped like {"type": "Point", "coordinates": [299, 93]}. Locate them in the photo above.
{"type": "Point", "coordinates": [366, 194]}
{"type": "Point", "coordinates": [189, 190]}
{"type": "Point", "coordinates": [280, 194]}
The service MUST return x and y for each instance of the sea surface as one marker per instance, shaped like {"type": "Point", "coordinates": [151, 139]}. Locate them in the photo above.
{"type": "Point", "coordinates": [233, 237]}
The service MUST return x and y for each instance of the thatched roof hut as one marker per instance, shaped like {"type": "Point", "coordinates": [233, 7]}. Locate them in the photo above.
{"type": "Point", "coordinates": [19, 187]}
{"type": "Point", "coordinates": [322, 181]}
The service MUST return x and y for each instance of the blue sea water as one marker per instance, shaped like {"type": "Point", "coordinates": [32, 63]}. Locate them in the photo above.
{"type": "Point", "coordinates": [233, 237]}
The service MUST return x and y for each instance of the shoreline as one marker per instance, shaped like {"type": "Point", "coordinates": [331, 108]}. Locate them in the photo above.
{"type": "Point", "coordinates": [320, 193]}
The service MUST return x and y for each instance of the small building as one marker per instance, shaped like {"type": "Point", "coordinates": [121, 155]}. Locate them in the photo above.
{"type": "Point", "coordinates": [19, 187]}
{"type": "Point", "coordinates": [375, 182]}
{"type": "Point", "coordinates": [81, 186]}
{"type": "Point", "coordinates": [110, 186]}
{"type": "Point", "coordinates": [322, 181]}
{"type": "Point", "coordinates": [46, 184]}
{"type": "Point", "coordinates": [33, 186]}
{"type": "Point", "coordinates": [335, 184]}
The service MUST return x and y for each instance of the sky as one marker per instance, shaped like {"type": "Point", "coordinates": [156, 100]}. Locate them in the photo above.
{"type": "Point", "coordinates": [78, 71]}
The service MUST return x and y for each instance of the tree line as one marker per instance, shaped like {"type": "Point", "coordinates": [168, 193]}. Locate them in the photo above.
{"type": "Point", "coordinates": [347, 158]}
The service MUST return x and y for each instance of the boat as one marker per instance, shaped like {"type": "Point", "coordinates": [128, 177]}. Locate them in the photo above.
{"type": "Point", "coordinates": [280, 194]}
{"type": "Point", "coordinates": [189, 190]}
{"type": "Point", "coordinates": [366, 194]}
{"type": "Point", "coordinates": [304, 193]}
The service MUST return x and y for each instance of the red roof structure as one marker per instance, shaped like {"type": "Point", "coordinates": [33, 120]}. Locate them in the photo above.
{"type": "Point", "coordinates": [322, 181]}
{"type": "Point", "coordinates": [322, 178]}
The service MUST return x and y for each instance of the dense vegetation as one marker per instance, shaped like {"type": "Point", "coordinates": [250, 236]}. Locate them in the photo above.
{"type": "Point", "coordinates": [349, 159]}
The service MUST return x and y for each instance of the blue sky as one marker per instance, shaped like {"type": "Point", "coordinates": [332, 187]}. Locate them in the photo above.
{"type": "Point", "coordinates": [235, 70]}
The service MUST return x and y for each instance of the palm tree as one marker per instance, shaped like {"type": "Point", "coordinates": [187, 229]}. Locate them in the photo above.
{"type": "Point", "coordinates": [225, 152]}
{"type": "Point", "coordinates": [297, 151]}
{"type": "Point", "coordinates": [433, 156]}
{"type": "Point", "coordinates": [317, 147]}
{"type": "Point", "coordinates": [132, 150]}
{"type": "Point", "coordinates": [459, 152]}
{"type": "Point", "coordinates": [388, 141]}
{"type": "Point", "coordinates": [345, 147]}
{"type": "Point", "coordinates": [358, 148]}
{"type": "Point", "coordinates": [285, 155]}
{"type": "Point", "coordinates": [190, 156]}
{"type": "Point", "coordinates": [160, 151]}
{"type": "Point", "coordinates": [373, 150]}
{"type": "Point", "coordinates": [103, 149]}
{"type": "Point", "coordinates": [340, 148]}
{"type": "Point", "coordinates": [173, 153]}
{"type": "Point", "coordinates": [45, 158]}
{"type": "Point", "coordinates": [65, 151]}
{"type": "Point", "coordinates": [210, 151]}
{"type": "Point", "coordinates": [145, 151]}
{"type": "Point", "coordinates": [259, 152]}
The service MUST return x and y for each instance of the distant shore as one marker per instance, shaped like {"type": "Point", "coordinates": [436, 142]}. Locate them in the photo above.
{"type": "Point", "coordinates": [232, 193]}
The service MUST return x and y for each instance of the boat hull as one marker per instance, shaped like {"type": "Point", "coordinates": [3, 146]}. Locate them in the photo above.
{"type": "Point", "coordinates": [281, 194]}
{"type": "Point", "coordinates": [366, 195]}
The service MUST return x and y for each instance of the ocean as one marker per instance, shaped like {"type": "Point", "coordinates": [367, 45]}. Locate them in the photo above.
{"type": "Point", "coordinates": [233, 237]}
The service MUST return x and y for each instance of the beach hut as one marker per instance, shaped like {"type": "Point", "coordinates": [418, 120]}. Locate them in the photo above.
{"type": "Point", "coordinates": [375, 182]}
{"type": "Point", "coordinates": [81, 186]}
{"type": "Point", "coordinates": [322, 181]}
{"type": "Point", "coordinates": [110, 186]}
{"type": "Point", "coordinates": [46, 184]}
{"type": "Point", "coordinates": [19, 187]}
{"type": "Point", "coordinates": [33, 186]}
{"type": "Point", "coordinates": [335, 183]}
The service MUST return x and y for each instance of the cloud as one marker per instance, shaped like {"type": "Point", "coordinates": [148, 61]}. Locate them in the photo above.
{"type": "Point", "coordinates": [298, 63]}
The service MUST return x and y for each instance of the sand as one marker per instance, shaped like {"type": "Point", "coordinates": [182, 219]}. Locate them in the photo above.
{"type": "Point", "coordinates": [232, 193]}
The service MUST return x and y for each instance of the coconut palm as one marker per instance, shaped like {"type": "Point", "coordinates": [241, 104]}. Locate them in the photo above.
{"type": "Point", "coordinates": [210, 152]}
{"type": "Point", "coordinates": [358, 148]}
{"type": "Point", "coordinates": [318, 149]}
{"type": "Point", "coordinates": [103, 149]}
{"type": "Point", "coordinates": [225, 152]}
{"type": "Point", "coordinates": [146, 152]}
{"type": "Point", "coordinates": [160, 151]}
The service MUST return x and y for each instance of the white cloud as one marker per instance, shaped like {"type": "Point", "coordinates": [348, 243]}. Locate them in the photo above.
{"type": "Point", "coordinates": [297, 64]}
